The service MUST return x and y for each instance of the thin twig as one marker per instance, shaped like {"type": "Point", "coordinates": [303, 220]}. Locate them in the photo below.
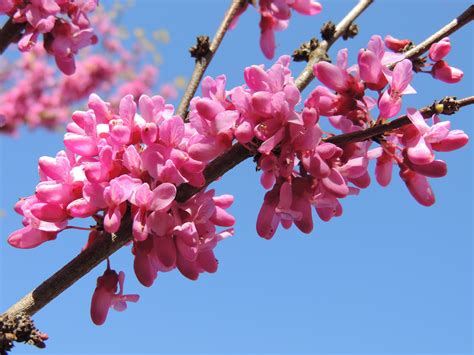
{"type": "Point", "coordinates": [9, 33]}
{"type": "Point", "coordinates": [381, 129]}
{"type": "Point", "coordinates": [463, 19]}
{"type": "Point", "coordinates": [320, 53]}
{"type": "Point", "coordinates": [203, 63]}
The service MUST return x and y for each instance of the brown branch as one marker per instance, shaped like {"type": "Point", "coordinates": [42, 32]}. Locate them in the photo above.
{"type": "Point", "coordinates": [203, 62]}
{"type": "Point", "coordinates": [10, 33]}
{"type": "Point", "coordinates": [463, 19]}
{"type": "Point", "coordinates": [381, 129]}
{"type": "Point", "coordinates": [74, 270]}
{"type": "Point", "coordinates": [320, 53]}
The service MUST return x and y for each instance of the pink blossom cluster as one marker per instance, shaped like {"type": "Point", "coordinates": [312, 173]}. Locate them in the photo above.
{"type": "Point", "coordinates": [275, 16]}
{"type": "Point", "coordinates": [36, 96]}
{"type": "Point", "coordinates": [128, 165]}
{"type": "Point", "coordinates": [412, 148]}
{"type": "Point", "coordinates": [440, 69]}
{"type": "Point", "coordinates": [301, 169]}
{"type": "Point", "coordinates": [64, 24]}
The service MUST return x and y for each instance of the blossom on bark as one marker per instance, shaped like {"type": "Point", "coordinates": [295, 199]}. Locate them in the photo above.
{"type": "Point", "coordinates": [106, 295]}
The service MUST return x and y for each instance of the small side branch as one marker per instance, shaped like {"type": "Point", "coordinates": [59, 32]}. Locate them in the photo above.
{"type": "Point", "coordinates": [10, 33]}
{"type": "Point", "coordinates": [203, 62]}
{"type": "Point", "coordinates": [381, 129]}
{"type": "Point", "coordinates": [463, 19]}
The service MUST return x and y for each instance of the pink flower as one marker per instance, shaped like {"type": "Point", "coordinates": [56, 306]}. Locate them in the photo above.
{"type": "Point", "coordinates": [106, 296]}
{"type": "Point", "coordinates": [213, 117]}
{"type": "Point", "coordinates": [275, 16]}
{"type": "Point", "coordinates": [28, 237]}
{"type": "Point", "coordinates": [285, 204]}
{"type": "Point", "coordinates": [146, 200]}
{"type": "Point", "coordinates": [419, 145]}
{"type": "Point", "coordinates": [119, 190]}
{"type": "Point", "coordinates": [442, 71]}
{"type": "Point", "coordinates": [395, 44]}
{"type": "Point", "coordinates": [418, 186]}
{"type": "Point", "coordinates": [440, 49]}
{"type": "Point", "coordinates": [338, 77]}
{"type": "Point", "coordinates": [391, 101]}
{"type": "Point", "coordinates": [64, 23]}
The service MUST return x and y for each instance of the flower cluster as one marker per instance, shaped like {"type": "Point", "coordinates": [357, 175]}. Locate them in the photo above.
{"type": "Point", "coordinates": [126, 165]}
{"type": "Point", "coordinates": [440, 69]}
{"type": "Point", "coordinates": [299, 168]}
{"type": "Point", "coordinates": [412, 149]}
{"type": "Point", "coordinates": [275, 16]}
{"type": "Point", "coordinates": [64, 24]}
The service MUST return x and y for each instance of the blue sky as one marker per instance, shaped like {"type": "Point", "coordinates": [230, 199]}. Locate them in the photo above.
{"type": "Point", "coordinates": [388, 277]}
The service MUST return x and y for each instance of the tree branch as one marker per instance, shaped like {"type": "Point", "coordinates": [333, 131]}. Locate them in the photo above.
{"type": "Point", "coordinates": [381, 129]}
{"type": "Point", "coordinates": [463, 19]}
{"type": "Point", "coordinates": [203, 62]}
{"type": "Point", "coordinates": [10, 33]}
{"type": "Point", "coordinates": [320, 53]}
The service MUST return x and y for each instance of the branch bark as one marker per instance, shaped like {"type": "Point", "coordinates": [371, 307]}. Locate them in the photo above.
{"type": "Point", "coordinates": [401, 121]}
{"type": "Point", "coordinates": [463, 19]}
{"type": "Point", "coordinates": [203, 63]}
{"type": "Point", "coordinates": [9, 33]}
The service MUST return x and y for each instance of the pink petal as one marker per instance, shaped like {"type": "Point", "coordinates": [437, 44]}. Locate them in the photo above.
{"type": "Point", "coordinates": [440, 49]}
{"type": "Point", "coordinates": [420, 153]}
{"type": "Point", "coordinates": [307, 7]}
{"type": "Point", "coordinates": [418, 186]}
{"type": "Point", "coordinates": [163, 196]}
{"type": "Point", "coordinates": [165, 250]}
{"type": "Point", "coordinates": [172, 131]}
{"type": "Point", "coordinates": [27, 237]}
{"type": "Point", "coordinates": [49, 212]}
{"type": "Point", "coordinates": [127, 110]}
{"type": "Point", "coordinates": [207, 261]}
{"type": "Point", "coordinates": [332, 76]}
{"type": "Point", "coordinates": [187, 268]}
{"type": "Point", "coordinates": [267, 43]}
{"type": "Point", "coordinates": [54, 193]}
{"type": "Point", "coordinates": [101, 301]}
{"type": "Point", "coordinates": [222, 218]}
{"type": "Point", "coordinates": [456, 139]}
{"type": "Point", "coordinates": [383, 172]}
{"type": "Point", "coordinates": [402, 75]}
{"type": "Point", "coordinates": [82, 145]}
{"type": "Point", "coordinates": [335, 184]}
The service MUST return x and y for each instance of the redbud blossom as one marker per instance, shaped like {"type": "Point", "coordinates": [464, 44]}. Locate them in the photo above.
{"type": "Point", "coordinates": [106, 296]}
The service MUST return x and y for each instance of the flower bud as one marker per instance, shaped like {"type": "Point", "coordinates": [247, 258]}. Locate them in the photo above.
{"type": "Point", "coordinates": [442, 71]}
{"type": "Point", "coordinates": [440, 49]}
